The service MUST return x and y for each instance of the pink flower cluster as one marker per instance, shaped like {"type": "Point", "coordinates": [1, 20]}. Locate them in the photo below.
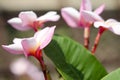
{"type": "Point", "coordinates": [32, 46]}
{"type": "Point", "coordinates": [28, 20]}
{"type": "Point", "coordinates": [85, 17]}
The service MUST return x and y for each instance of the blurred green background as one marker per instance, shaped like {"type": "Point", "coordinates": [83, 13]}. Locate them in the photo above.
{"type": "Point", "coordinates": [108, 52]}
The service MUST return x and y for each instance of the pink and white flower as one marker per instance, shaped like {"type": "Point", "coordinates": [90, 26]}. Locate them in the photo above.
{"type": "Point", "coordinates": [23, 66]}
{"type": "Point", "coordinates": [28, 20]}
{"type": "Point", "coordinates": [33, 45]}
{"type": "Point", "coordinates": [110, 24]}
{"type": "Point", "coordinates": [76, 18]}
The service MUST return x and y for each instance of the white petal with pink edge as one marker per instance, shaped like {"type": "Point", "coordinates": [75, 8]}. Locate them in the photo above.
{"type": "Point", "coordinates": [100, 9]}
{"type": "Point", "coordinates": [17, 24]}
{"type": "Point", "coordinates": [27, 17]}
{"type": "Point", "coordinates": [97, 24]}
{"type": "Point", "coordinates": [44, 36]}
{"type": "Point", "coordinates": [15, 48]}
{"type": "Point", "coordinates": [91, 16]}
{"type": "Point", "coordinates": [71, 16]}
{"type": "Point", "coordinates": [49, 16]}
{"type": "Point", "coordinates": [114, 27]}
{"type": "Point", "coordinates": [30, 46]}
{"type": "Point", "coordinates": [86, 5]}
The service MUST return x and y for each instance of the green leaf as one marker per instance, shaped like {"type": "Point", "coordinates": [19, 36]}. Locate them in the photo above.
{"type": "Point", "coordinates": [54, 52]}
{"type": "Point", "coordinates": [115, 75]}
{"type": "Point", "coordinates": [73, 61]}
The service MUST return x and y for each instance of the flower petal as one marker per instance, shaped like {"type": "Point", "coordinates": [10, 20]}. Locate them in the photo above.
{"type": "Point", "coordinates": [20, 66]}
{"type": "Point", "coordinates": [30, 46]}
{"type": "Point", "coordinates": [27, 17]}
{"type": "Point", "coordinates": [44, 36]}
{"type": "Point", "coordinates": [91, 16]}
{"type": "Point", "coordinates": [100, 9]}
{"type": "Point", "coordinates": [71, 16]}
{"type": "Point", "coordinates": [17, 40]}
{"type": "Point", "coordinates": [97, 24]}
{"type": "Point", "coordinates": [49, 16]}
{"type": "Point", "coordinates": [109, 21]}
{"type": "Point", "coordinates": [86, 5]}
{"type": "Point", "coordinates": [17, 24]}
{"type": "Point", "coordinates": [115, 28]}
{"type": "Point", "coordinates": [23, 66]}
{"type": "Point", "coordinates": [15, 48]}
{"type": "Point", "coordinates": [110, 24]}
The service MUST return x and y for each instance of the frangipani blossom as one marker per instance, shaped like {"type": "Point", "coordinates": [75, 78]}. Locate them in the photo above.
{"type": "Point", "coordinates": [75, 18]}
{"type": "Point", "coordinates": [33, 45]}
{"type": "Point", "coordinates": [23, 66]}
{"type": "Point", "coordinates": [28, 20]}
{"type": "Point", "coordinates": [110, 24]}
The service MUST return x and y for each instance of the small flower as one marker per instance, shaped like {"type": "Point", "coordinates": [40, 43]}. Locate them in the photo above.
{"type": "Point", "coordinates": [75, 18]}
{"type": "Point", "coordinates": [28, 20]}
{"type": "Point", "coordinates": [110, 24]}
{"type": "Point", "coordinates": [23, 66]}
{"type": "Point", "coordinates": [31, 46]}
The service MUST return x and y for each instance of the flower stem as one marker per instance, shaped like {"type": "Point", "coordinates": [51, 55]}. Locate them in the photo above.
{"type": "Point", "coordinates": [43, 66]}
{"type": "Point", "coordinates": [39, 56]}
{"type": "Point", "coordinates": [97, 39]}
{"type": "Point", "coordinates": [86, 37]}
